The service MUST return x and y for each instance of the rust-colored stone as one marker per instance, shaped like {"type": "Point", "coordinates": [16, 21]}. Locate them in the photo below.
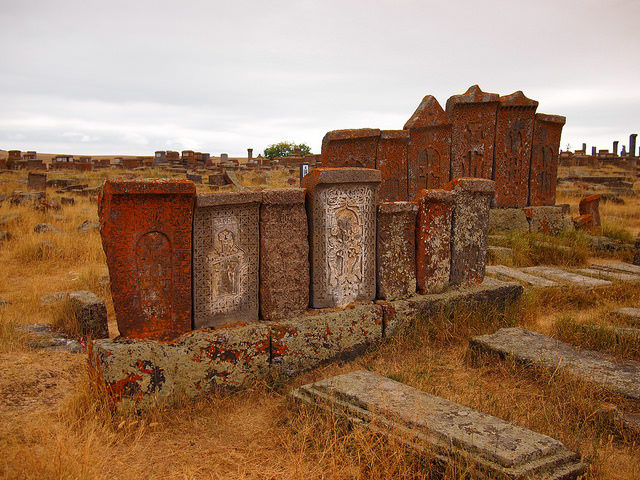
{"type": "Point", "coordinates": [37, 181]}
{"type": "Point", "coordinates": [473, 119]}
{"type": "Point", "coordinates": [512, 151]}
{"type": "Point", "coordinates": [470, 230]}
{"type": "Point", "coordinates": [584, 222]}
{"type": "Point", "coordinates": [433, 240]}
{"type": "Point", "coordinates": [429, 152]}
{"type": "Point", "coordinates": [591, 205]}
{"type": "Point", "coordinates": [392, 163]}
{"type": "Point", "coordinates": [146, 235]}
{"type": "Point", "coordinates": [396, 253]}
{"type": "Point", "coordinates": [284, 254]}
{"type": "Point", "coordinates": [547, 131]}
{"type": "Point", "coordinates": [350, 148]}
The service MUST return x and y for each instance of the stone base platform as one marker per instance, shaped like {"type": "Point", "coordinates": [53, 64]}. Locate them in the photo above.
{"type": "Point", "coordinates": [138, 373]}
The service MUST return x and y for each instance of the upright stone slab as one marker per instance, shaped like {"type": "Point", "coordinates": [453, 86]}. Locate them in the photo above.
{"type": "Point", "coordinates": [547, 131]}
{"type": "Point", "coordinates": [350, 148]}
{"type": "Point", "coordinates": [341, 207]}
{"type": "Point", "coordinates": [225, 258]}
{"type": "Point", "coordinates": [284, 254]}
{"type": "Point", "coordinates": [470, 229]}
{"type": "Point", "coordinates": [391, 160]}
{"type": "Point", "coordinates": [473, 119]}
{"type": "Point", "coordinates": [444, 429]}
{"type": "Point", "coordinates": [433, 240]}
{"type": "Point", "coordinates": [590, 206]}
{"type": "Point", "coordinates": [429, 152]}
{"type": "Point", "coordinates": [512, 152]}
{"type": "Point", "coordinates": [146, 228]}
{"type": "Point", "coordinates": [37, 181]}
{"type": "Point", "coordinates": [396, 252]}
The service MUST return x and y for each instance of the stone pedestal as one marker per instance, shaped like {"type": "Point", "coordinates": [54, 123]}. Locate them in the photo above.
{"type": "Point", "coordinates": [512, 151]}
{"type": "Point", "coordinates": [433, 240]}
{"type": "Point", "coordinates": [396, 254]}
{"type": "Point", "coordinates": [341, 207]}
{"type": "Point", "coordinates": [350, 148]}
{"type": "Point", "coordinates": [146, 235]}
{"type": "Point", "coordinates": [284, 254]}
{"type": "Point", "coordinates": [547, 130]}
{"type": "Point", "coordinates": [429, 153]}
{"type": "Point", "coordinates": [473, 119]}
{"type": "Point", "coordinates": [225, 258]}
{"type": "Point", "coordinates": [590, 205]}
{"type": "Point", "coordinates": [392, 163]}
{"type": "Point", "coordinates": [472, 197]}
{"type": "Point", "coordinates": [545, 219]}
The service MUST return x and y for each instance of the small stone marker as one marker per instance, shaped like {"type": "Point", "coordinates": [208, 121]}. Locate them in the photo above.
{"type": "Point", "coordinates": [620, 267]}
{"type": "Point", "coordinates": [590, 206]}
{"type": "Point", "coordinates": [502, 271]}
{"type": "Point", "coordinates": [396, 252]}
{"type": "Point", "coordinates": [37, 181]}
{"type": "Point", "coordinates": [567, 277]}
{"type": "Point", "coordinates": [225, 258]}
{"type": "Point", "coordinates": [545, 219]}
{"type": "Point", "coordinates": [90, 312]}
{"type": "Point", "coordinates": [341, 207]}
{"type": "Point", "coordinates": [538, 349]}
{"type": "Point", "coordinates": [630, 313]}
{"type": "Point", "coordinates": [625, 277]}
{"type": "Point", "coordinates": [470, 230]}
{"type": "Point", "coordinates": [433, 240]}
{"type": "Point", "coordinates": [547, 130]}
{"type": "Point", "coordinates": [284, 254]}
{"type": "Point", "coordinates": [392, 163]}
{"type": "Point", "coordinates": [444, 428]}
{"type": "Point", "coordinates": [350, 148]}
{"type": "Point", "coordinates": [146, 228]}
{"type": "Point", "coordinates": [194, 178]}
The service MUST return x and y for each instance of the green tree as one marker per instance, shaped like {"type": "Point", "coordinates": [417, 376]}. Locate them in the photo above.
{"type": "Point", "coordinates": [284, 149]}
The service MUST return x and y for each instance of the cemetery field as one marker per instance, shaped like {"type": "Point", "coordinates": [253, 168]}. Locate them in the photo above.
{"type": "Point", "coordinates": [55, 424]}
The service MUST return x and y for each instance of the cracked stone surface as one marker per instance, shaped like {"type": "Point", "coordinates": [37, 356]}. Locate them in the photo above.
{"type": "Point", "coordinates": [567, 277]}
{"type": "Point", "coordinates": [508, 273]}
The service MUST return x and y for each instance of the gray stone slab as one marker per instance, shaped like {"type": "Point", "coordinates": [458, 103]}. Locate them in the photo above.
{"type": "Point", "coordinates": [611, 275]}
{"type": "Point", "coordinates": [567, 277]}
{"type": "Point", "coordinates": [619, 332]}
{"type": "Point", "coordinates": [504, 272]}
{"type": "Point", "coordinates": [444, 428]}
{"type": "Point", "coordinates": [630, 313]}
{"type": "Point", "coordinates": [619, 267]}
{"type": "Point", "coordinates": [535, 348]}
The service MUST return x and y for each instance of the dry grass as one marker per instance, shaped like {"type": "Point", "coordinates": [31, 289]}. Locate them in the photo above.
{"type": "Point", "coordinates": [567, 249]}
{"type": "Point", "coordinates": [55, 424]}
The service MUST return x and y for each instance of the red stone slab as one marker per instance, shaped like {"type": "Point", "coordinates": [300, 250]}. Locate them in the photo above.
{"type": "Point", "coordinates": [392, 162]}
{"type": "Point", "coordinates": [590, 205]}
{"type": "Point", "coordinates": [473, 119]}
{"type": "Point", "coordinates": [433, 240]}
{"type": "Point", "coordinates": [512, 151]}
{"type": "Point", "coordinates": [547, 130]}
{"type": "Point", "coordinates": [350, 148]}
{"type": "Point", "coordinates": [146, 235]}
{"type": "Point", "coordinates": [429, 152]}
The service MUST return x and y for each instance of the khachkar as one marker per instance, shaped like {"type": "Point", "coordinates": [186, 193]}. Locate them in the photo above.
{"type": "Point", "coordinates": [225, 258]}
{"type": "Point", "coordinates": [341, 207]}
{"type": "Point", "coordinates": [480, 135]}
{"type": "Point", "coordinates": [146, 235]}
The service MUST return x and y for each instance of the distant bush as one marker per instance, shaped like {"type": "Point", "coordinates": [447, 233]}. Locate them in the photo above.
{"type": "Point", "coordinates": [284, 149]}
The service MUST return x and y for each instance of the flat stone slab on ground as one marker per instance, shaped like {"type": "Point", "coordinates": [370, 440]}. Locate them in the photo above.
{"type": "Point", "coordinates": [538, 349]}
{"type": "Point", "coordinates": [619, 267]}
{"type": "Point", "coordinates": [611, 275]}
{"type": "Point", "coordinates": [629, 312]}
{"type": "Point", "coordinates": [619, 332]}
{"type": "Point", "coordinates": [567, 277]}
{"type": "Point", "coordinates": [447, 429]}
{"type": "Point", "coordinates": [504, 272]}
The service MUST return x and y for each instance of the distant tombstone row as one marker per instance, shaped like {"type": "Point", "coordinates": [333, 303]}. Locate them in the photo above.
{"type": "Point", "coordinates": [480, 135]}
{"type": "Point", "coordinates": [180, 260]}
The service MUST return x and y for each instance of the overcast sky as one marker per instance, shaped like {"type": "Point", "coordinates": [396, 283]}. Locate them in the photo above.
{"type": "Point", "coordinates": [132, 77]}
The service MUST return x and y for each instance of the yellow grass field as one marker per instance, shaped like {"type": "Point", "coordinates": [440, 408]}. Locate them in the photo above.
{"type": "Point", "coordinates": [54, 425]}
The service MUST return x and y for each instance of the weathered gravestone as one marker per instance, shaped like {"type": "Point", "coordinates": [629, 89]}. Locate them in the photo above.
{"type": "Point", "coordinates": [37, 181]}
{"type": "Point", "coordinates": [547, 130]}
{"type": "Point", "coordinates": [444, 429]}
{"type": "Point", "coordinates": [470, 229]}
{"type": "Point", "coordinates": [571, 278]}
{"type": "Point", "coordinates": [396, 253]}
{"type": "Point", "coordinates": [392, 163]}
{"type": "Point", "coordinates": [90, 313]}
{"type": "Point", "coordinates": [429, 152]}
{"type": "Point", "coordinates": [284, 254]}
{"type": "Point", "coordinates": [194, 178]}
{"type": "Point", "coordinates": [636, 254]}
{"type": "Point", "coordinates": [146, 228]}
{"type": "Point", "coordinates": [508, 273]}
{"type": "Point", "coordinates": [508, 220]}
{"type": "Point", "coordinates": [590, 206]}
{"type": "Point", "coordinates": [225, 258]}
{"type": "Point", "coordinates": [514, 129]}
{"type": "Point", "coordinates": [473, 119]}
{"type": "Point", "coordinates": [547, 219]}
{"type": "Point", "coordinates": [433, 240]}
{"type": "Point", "coordinates": [341, 207]}
{"type": "Point", "coordinates": [350, 148]}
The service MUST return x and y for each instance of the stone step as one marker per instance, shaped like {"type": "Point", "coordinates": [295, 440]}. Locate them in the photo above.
{"type": "Point", "coordinates": [629, 313]}
{"type": "Point", "coordinates": [567, 277]}
{"type": "Point", "coordinates": [444, 428]}
{"type": "Point", "coordinates": [624, 277]}
{"type": "Point", "coordinates": [622, 377]}
{"type": "Point", "coordinates": [508, 273]}
{"type": "Point", "coordinates": [619, 267]}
